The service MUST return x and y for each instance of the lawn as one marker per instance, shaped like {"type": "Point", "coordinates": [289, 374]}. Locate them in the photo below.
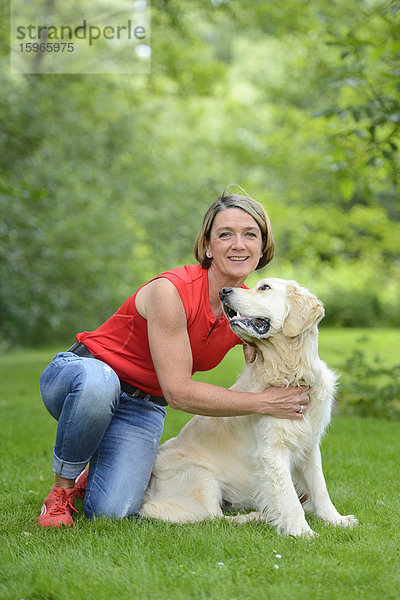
{"type": "Point", "coordinates": [214, 560]}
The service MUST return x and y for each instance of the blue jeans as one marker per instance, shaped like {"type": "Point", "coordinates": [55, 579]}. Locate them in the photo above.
{"type": "Point", "coordinates": [99, 423]}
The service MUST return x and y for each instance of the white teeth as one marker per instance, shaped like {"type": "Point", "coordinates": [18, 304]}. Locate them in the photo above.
{"type": "Point", "coordinates": [238, 258]}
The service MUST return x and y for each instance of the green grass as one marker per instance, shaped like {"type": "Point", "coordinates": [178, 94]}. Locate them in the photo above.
{"type": "Point", "coordinates": [215, 560]}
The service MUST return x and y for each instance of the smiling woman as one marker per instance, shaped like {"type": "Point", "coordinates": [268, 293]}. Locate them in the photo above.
{"type": "Point", "coordinates": [253, 209]}
{"type": "Point", "coordinates": [109, 390]}
{"type": "Point", "coordinates": [234, 246]}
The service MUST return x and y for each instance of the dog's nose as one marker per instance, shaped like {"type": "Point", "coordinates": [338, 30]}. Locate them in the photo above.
{"type": "Point", "coordinates": [225, 292]}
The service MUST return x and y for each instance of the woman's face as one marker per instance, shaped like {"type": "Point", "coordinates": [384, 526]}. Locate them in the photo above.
{"type": "Point", "coordinates": [235, 244]}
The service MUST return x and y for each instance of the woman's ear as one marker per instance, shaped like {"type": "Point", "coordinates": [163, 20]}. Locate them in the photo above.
{"type": "Point", "coordinates": [207, 250]}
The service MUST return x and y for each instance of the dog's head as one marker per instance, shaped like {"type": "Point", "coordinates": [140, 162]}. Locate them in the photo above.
{"type": "Point", "coordinates": [273, 306]}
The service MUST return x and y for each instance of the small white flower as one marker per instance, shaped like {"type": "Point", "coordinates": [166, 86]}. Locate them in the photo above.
{"type": "Point", "coordinates": [221, 564]}
{"type": "Point", "coordinates": [278, 555]}
{"type": "Point", "coordinates": [276, 566]}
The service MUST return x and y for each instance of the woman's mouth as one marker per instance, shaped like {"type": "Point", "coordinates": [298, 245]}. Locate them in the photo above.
{"type": "Point", "coordinates": [238, 258]}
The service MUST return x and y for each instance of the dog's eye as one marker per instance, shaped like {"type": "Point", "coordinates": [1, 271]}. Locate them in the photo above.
{"type": "Point", "coordinates": [264, 287]}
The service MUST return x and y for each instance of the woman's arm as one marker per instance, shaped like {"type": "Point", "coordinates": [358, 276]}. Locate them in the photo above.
{"type": "Point", "coordinates": [159, 302]}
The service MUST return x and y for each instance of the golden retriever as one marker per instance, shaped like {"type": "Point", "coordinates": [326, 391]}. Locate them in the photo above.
{"type": "Point", "coordinates": [257, 462]}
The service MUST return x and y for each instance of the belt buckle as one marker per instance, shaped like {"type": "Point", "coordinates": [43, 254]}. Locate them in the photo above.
{"type": "Point", "coordinates": [135, 394]}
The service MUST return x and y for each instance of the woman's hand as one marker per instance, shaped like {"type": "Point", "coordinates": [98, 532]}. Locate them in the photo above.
{"type": "Point", "coordinates": [250, 353]}
{"type": "Point", "coordinates": [284, 403]}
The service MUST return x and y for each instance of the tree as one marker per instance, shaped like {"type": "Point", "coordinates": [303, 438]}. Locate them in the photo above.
{"type": "Point", "coordinates": [105, 178]}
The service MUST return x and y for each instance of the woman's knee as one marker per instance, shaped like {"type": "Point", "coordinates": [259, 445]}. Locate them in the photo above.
{"type": "Point", "coordinates": [85, 382]}
{"type": "Point", "coordinates": [101, 385]}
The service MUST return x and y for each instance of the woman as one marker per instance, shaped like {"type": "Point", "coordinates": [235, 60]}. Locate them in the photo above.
{"type": "Point", "coordinates": [109, 391]}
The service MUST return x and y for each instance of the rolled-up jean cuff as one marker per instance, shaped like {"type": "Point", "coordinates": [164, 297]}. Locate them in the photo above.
{"type": "Point", "coordinates": [67, 470]}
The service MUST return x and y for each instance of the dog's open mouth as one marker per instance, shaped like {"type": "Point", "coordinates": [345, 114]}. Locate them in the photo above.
{"type": "Point", "coordinates": [257, 326]}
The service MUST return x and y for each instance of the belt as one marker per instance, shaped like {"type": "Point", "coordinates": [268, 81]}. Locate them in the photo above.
{"type": "Point", "coordinates": [134, 392]}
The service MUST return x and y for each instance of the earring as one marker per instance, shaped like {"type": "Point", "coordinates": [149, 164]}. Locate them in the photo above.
{"type": "Point", "coordinates": [208, 254]}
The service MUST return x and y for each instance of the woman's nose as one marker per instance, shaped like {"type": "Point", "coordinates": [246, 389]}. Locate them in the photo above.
{"type": "Point", "coordinates": [238, 242]}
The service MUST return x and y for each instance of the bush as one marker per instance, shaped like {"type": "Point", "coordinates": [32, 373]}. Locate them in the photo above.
{"type": "Point", "coordinates": [369, 389]}
{"type": "Point", "coordinates": [353, 308]}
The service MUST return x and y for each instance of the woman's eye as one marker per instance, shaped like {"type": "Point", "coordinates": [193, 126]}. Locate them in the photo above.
{"type": "Point", "coordinates": [224, 234]}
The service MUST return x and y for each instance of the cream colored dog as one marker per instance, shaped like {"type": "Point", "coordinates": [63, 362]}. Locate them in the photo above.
{"type": "Point", "coordinates": [257, 462]}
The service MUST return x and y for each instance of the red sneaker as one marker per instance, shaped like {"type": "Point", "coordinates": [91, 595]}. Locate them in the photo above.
{"type": "Point", "coordinates": [57, 508]}
{"type": "Point", "coordinates": [80, 483]}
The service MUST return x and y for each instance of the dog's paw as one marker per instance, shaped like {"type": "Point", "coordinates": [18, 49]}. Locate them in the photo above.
{"type": "Point", "coordinates": [297, 530]}
{"type": "Point", "coordinates": [303, 533]}
{"type": "Point", "coordinates": [345, 521]}
{"type": "Point", "coordinates": [241, 519]}
{"type": "Point", "coordinates": [294, 524]}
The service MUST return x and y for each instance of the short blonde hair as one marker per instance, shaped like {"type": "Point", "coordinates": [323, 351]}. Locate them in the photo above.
{"type": "Point", "coordinates": [252, 208]}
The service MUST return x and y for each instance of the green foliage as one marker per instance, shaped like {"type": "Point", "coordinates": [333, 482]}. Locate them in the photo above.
{"type": "Point", "coordinates": [370, 389]}
{"type": "Point", "coordinates": [104, 179]}
{"type": "Point", "coordinates": [367, 82]}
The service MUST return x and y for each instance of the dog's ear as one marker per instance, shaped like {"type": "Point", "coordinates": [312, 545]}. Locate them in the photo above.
{"type": "Point", "coordinates": [304, 310]}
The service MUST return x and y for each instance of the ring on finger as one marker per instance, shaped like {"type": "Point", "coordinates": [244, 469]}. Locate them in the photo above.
{"type": "Point", "coordinates": [301, 409]}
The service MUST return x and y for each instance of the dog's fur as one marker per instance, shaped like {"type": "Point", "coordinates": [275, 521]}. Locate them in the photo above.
{"type": "Point", "coordinates": [257, 462]}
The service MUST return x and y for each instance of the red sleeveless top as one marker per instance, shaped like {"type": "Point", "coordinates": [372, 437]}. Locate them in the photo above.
{"type": "Point", "coordinates": [122, 341]}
